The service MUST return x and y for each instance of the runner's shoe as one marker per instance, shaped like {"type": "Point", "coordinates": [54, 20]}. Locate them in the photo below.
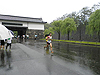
{"type": "Point", "coordinates": [51, 51]}
{"type": "Point", "coordinates": [51, 54]}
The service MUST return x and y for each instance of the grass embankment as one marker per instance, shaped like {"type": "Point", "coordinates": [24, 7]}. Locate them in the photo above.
{"type": "Point", "coordinates": [78, 42]}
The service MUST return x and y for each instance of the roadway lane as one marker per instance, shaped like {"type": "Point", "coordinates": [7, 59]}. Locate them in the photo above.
{"type": "Point", "coordinates": [26, 61]}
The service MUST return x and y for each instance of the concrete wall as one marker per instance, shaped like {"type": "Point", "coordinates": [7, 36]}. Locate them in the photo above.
{"type": "Point", "coordinates": [31, 33]}
{"type": "Point", "coordinates": [36, 26]}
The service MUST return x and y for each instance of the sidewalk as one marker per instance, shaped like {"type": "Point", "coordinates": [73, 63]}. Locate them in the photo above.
{"type": "Point", "coordinates": [26, 61]}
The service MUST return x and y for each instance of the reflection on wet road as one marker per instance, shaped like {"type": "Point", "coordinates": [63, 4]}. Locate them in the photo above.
{"type": "Point", "coordinates": [5, 59]}
{"type": "Point", "coordinates": [82, 58]}
{"type": "Point", "coordinates": [67, 59]}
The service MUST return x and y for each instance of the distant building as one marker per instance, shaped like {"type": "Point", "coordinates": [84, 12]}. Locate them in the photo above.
{"type": "Point", "coordinates": [24, 25]}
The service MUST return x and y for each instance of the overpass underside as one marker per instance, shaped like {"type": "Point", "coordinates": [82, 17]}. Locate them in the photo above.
{"type": "Point", "coordinates": [20, 29]}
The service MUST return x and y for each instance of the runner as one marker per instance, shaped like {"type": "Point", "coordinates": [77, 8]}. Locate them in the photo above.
{"type": "Point", "coordinates": [49, 42]}
{"type": "Point", "coordinates": [35, 36]}
{"type": "Point", "coordinates": [8, 43]}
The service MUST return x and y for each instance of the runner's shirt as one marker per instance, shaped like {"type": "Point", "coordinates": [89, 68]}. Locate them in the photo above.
{"type": "Point", "coordinates": [46, 39]}
{"type": "Point", "coordinates": [9, 40]}
{"type": "Point", "coordinates": [50, 37]}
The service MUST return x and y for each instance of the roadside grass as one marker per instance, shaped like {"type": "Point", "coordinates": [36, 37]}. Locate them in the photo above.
{"type": "Point", "coordinates": [78, 42]}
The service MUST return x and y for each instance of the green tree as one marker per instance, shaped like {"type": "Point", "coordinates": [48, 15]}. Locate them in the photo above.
{"type": "Point", "coordinates": [47, 25]}
{"type": "Point", "coordinates": [49, 30]}
{"type": "Point", "coordinates": [94, 24]}
{"type": "Point", "coordinates": [81, 19]}
{"type": "Point", "coordinates": [57, 27]}
{"type": "Point", "coordinates": [15, 33]}
{"type": "Point", "coordinates": [68, 26]}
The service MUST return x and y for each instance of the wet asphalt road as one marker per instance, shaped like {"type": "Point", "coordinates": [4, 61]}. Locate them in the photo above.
{"type": "Point", "coordinates": [30, 58]}
{"type": "Point", "coordinates": [26, 61]}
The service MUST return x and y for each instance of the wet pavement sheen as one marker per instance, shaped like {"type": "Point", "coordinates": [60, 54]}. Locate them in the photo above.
{"type": "Point", "coordinates": [84, 59]}
{"type": "Point", "coordinates": [30, 58]}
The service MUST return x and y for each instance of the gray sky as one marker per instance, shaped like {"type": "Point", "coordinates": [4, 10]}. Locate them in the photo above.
{"type": "Point", "coordinates": [48, 10]}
